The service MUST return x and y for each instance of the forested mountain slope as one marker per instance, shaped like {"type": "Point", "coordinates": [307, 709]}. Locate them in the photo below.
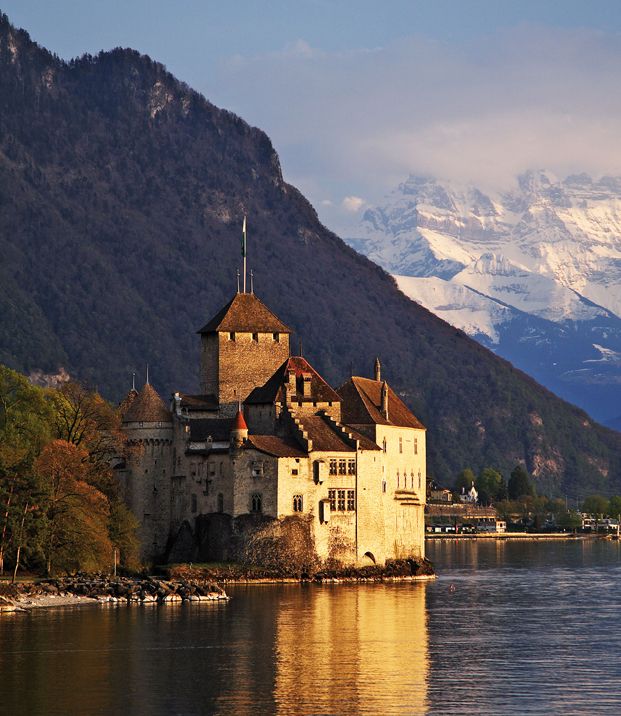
{"type": "Point", "coordinates": [121, 198]}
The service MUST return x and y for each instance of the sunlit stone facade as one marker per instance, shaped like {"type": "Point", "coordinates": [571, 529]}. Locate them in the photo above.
{"type": "Point", "coordinates": [269, 436]}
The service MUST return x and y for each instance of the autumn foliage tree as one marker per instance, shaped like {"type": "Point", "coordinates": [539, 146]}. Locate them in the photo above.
{"type": "Point", "coordinates": [76, 514]}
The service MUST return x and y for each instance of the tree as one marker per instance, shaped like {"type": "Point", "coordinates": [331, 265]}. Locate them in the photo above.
{"type": "Point", "coordinates": [76, 513]}
{"type": "Point", "coordinates": [25, 426]}
{"type": "Point", "coordinates": [596, 505]}
{"type": "Point", "coordinates": [464, 480]}
{"type": "Point", "coordinates": [569, 520]}
{"type": "Point", "coordinates": [84, 419]}
{"type": "Point", "coordinates": [491, 486]}
{"type": "Point", "coordinates": [520, 485]}
{"type": "Point", "coordinates": [614, 506]}
{"type": "Point", "coordinates": [123, 528]}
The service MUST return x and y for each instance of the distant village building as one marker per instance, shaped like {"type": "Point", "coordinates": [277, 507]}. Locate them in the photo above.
{"type": "Point", "coordinates": [267, 436]}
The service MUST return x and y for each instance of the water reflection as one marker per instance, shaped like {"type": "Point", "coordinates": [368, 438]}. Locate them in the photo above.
{"type": "Point", "coordinates": [353, 650]}
{"type": "Point", "coordinates": [509, 628]}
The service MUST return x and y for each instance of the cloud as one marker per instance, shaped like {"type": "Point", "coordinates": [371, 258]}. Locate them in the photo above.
{"type": "Point", "coordinates": [352, 203]}
{"type": "Point", "coordinates": [356, 123]}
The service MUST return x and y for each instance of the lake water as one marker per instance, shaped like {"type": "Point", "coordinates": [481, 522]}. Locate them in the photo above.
{"type": "Point", "coordinates": [508, 628]}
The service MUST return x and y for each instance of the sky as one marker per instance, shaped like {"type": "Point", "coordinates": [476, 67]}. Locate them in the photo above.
{"type": "Point", "coordinates": [356, 94]}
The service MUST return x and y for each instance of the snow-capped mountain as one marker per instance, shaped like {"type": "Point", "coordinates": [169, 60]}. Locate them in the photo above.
{"type": "Point", "coordinates": [534, 272]}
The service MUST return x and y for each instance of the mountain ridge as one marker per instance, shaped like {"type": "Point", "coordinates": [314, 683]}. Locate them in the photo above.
{"type": "Point", "coordinates": [127, 191]}
{"type": "Point", "coordinates": [549, 248]}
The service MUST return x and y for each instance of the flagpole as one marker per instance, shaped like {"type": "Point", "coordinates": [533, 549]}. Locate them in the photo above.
{"type": "Point", "coordinates": [244, 250]}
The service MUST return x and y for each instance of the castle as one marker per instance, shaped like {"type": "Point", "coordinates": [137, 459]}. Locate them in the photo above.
{"type": "Point", "coordinates": [268, 436]}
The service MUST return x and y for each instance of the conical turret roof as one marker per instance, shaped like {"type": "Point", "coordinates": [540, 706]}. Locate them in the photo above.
{"type": "Point", "coordinates": [147, 407]}
{"type": "Point", "coordinates": [127, 401]}
{"type": "Point", "coordinates": [240, 422]}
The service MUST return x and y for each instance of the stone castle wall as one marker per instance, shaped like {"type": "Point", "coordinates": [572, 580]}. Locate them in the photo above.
{"type": "Point", "coordinates": [233, 364]}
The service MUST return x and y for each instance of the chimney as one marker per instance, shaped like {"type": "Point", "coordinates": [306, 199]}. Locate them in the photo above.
{"type": "Point", "coordinates": [385, 399]}
{"type": "Point", "coordinates": [378, 370]}
{"type": "Point", "coordinates": [306, 385]}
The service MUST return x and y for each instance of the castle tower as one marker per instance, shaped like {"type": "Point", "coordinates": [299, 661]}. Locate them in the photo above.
{"type": "Point", "coordinates": [239, 431]}
{"type": "Point", "coordinates": [147, 423]}
{"type": "Point", "coordinates": [241, 347]}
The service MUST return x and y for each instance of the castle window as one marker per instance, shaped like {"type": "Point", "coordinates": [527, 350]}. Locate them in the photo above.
{"type": "Point", "coordinates": [342, 466]}
{"type": "Point", "coordinates": [351, 467]}
{"type": "Point", "coordinates": [257, 503]}
{"type": "Point", "coordinates": [398, 478]}
{"type": "Point", "coordinates": [276, 337]}
{"type": "Point", "coordinates": [194, 503]}
{"type": "Point", "coordinates": [332, 466]}
{"type": "Point", "coordinates": [419, 480]}
{"type": "Point", "coordinates": [295, 471]}
{"type": "Point", "coordinates": [212, 470]}
{"type": "Point", "coordinates": [257, 469]}
{"type": "Point", "coordinates": [342, 500]}
{"type": "Point", "coordinates": [297, 503]}
{"type": "Point", "coordinates": [415, 446]}
{"type": "Point", "coordinates": [232, 336]}
{"type": "Point", "coordinates": [255, 337]}
{"type": "Point", "coordinates": [412, 480]}
{"type": "Point", "coordinates": [400, 445]}
{"type": "Point", "coordinates": [220, 502]}
{"type": "Point", "coordinates": [384, 444]}
{"type": "Point", "coordinates": [383, 485]}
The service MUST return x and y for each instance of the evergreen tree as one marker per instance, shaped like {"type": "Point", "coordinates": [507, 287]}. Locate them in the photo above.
{"type": "Point", "coordinates": [519, 484]}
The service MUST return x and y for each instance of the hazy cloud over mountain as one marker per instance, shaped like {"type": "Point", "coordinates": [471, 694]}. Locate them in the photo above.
{"type": "Point", "coordinates": [356, 122]}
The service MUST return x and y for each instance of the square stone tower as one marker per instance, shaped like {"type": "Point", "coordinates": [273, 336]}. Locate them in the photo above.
{"type": "Point", "coordinates": [241, 348]}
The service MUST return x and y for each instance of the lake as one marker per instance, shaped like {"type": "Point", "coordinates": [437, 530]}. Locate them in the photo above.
{"type": "Point", "coordinates": [507, 628]}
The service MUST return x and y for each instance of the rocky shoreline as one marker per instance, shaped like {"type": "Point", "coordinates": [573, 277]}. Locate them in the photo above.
{"type": "Point", "coordinates": [74, 591]}
{"type": "Point", "coordinates": [190, 583]}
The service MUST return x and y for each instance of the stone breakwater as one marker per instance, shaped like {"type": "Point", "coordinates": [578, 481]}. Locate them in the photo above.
{"type": "Point", "coordinates": [393, 571]}
{"type": "Point", "coordinates": [102, 590]}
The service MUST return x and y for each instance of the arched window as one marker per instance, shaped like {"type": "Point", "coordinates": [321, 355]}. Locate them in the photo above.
{"type": "Point", "coordinates": [257, 505]}
{"type": "Point", "coordinates": [298, 504]}
{"type": "Point", "coordinates": [220, 502]}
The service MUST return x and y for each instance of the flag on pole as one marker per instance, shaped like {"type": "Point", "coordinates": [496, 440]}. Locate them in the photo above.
{"type": "Point", "coordinates": [243, 246]}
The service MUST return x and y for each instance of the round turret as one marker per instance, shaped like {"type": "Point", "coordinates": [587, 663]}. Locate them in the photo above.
{"type": "Point", "coordinates": [239, 430]}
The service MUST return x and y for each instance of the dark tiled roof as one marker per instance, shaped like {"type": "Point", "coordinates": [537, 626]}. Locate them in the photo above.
{"type": "Point", "coordinates": [147, 407]}
{"type": "Point", "coordinates": [247, 314]}
{"type": "Point", "coordinates": [274, 390]}
{"type": "Point", "coordinates": [362, 401]}
{"type": "Point", "coordinates": [274, 445]}
{"type": "Point", "coordinates": [218, 428]}
{"type": "Point", "coordinates": [323, 435]}
{"type": "Point", "coordinates": [199, 402]}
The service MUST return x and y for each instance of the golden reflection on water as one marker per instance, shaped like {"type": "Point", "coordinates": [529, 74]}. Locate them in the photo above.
{"type": "Point", "coordinates": [353, 650]}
